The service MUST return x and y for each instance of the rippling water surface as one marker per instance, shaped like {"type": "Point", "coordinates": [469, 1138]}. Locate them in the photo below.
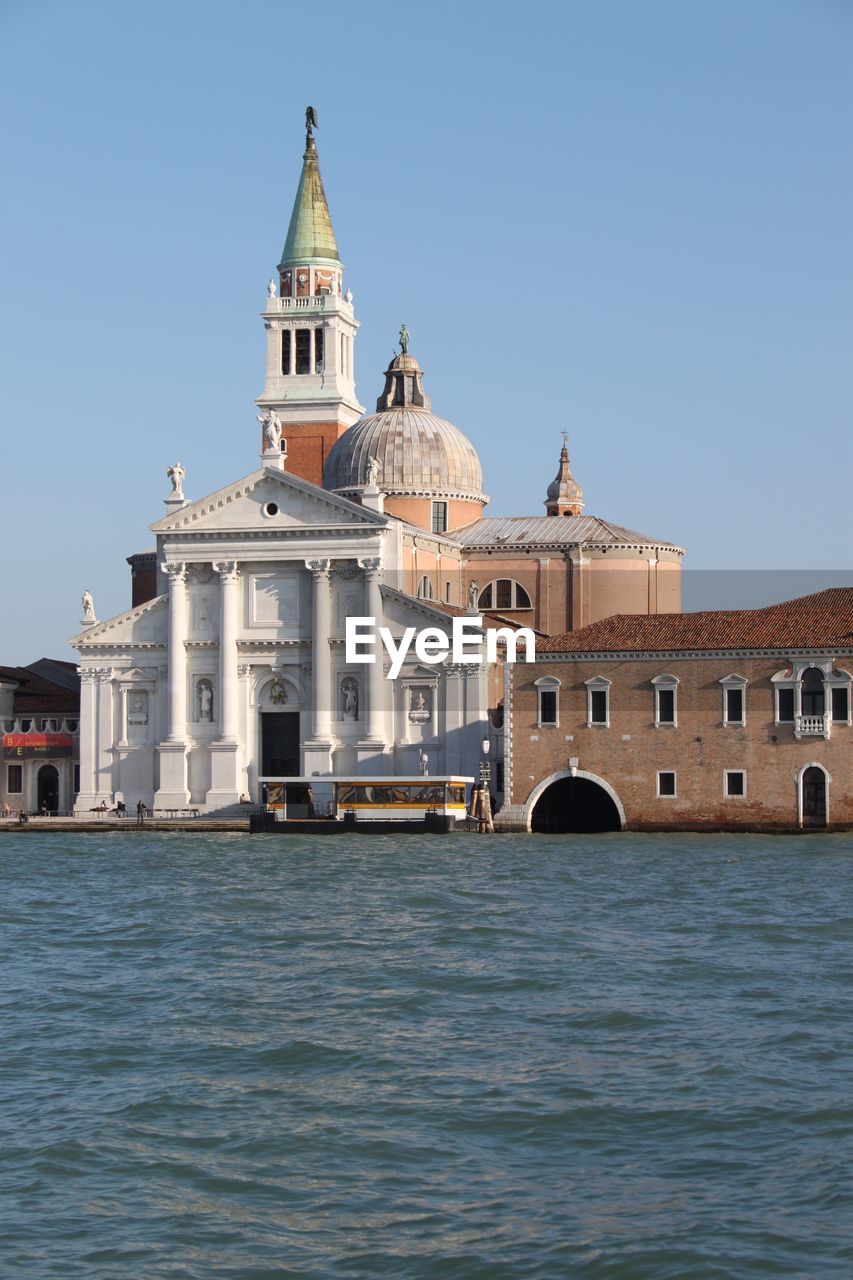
{"type": "Point", "coordinates": [619, 1056]}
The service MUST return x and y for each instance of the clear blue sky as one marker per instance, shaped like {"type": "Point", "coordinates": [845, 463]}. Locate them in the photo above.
{"type": "Point", "coordinates": [630, 220]}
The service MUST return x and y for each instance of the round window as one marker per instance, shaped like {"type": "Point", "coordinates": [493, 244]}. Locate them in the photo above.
{"type": "Point", "coordinates": [270, 509]}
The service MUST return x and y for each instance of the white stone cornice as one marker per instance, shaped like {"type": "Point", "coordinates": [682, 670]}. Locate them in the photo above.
{"type": "Point", "coordinates": [626, 655]}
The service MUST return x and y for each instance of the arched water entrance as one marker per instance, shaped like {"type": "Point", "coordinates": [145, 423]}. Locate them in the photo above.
{"type": "Point", "coordinates": [48, 788]}
{"type": "Point", "coordinates": [814, 796]}
{"type": "Point", "coordinates": [575, 802]}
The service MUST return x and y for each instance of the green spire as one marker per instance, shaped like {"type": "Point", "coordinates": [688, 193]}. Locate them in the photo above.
{"type": "Point", "coordinates": [310, 233]}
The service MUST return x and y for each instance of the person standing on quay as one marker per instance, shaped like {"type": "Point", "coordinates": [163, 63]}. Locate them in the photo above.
{"type": "Point", "coordinates": [140, 813]}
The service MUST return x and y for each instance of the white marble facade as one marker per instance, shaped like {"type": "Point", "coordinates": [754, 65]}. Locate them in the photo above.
{"type": "Point", "coordinates": [255, 583]}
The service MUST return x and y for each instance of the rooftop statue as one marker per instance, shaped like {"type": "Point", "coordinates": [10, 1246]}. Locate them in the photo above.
{"type": "Point", "coordinates": [374, 469]}
{"type": "Point", "coordinates": [310, 121]}
{"type": "Point", "coordinates": [404, 339]}
{"type": "Point", "coordinates": [271, 424]}
{"type": "Point", "coordinates": [88, 606]}
{"type": "Point", "coordinates": [176, 475]}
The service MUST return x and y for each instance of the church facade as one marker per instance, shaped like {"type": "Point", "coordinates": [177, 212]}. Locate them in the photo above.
{"type": "Point", "coordinates": [231, 666]}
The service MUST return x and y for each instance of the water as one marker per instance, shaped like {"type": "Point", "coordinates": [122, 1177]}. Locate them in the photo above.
{"type": "Point", "coordinates": [601, 1056]}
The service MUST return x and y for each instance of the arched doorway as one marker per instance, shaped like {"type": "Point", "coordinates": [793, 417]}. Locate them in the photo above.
{"type": "Point", "coordinates": [575, 802]}
{"type": "Point", "coordinates": [813, 796]}
{"type": "Point", "coordinates": [48, 788]}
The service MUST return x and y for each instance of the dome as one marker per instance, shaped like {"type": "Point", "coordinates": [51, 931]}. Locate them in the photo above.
{"type": "Point", "coordinates": [417, 453]}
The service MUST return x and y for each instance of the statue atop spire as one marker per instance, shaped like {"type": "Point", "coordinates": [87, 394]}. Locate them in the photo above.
{"type": "Point", "coordinates": [310, 125]}
{"type": "Point", "coordinates": [564, 496]}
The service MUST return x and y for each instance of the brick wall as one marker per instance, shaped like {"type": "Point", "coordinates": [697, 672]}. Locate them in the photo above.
{"type": "Point", "coordinates": [629, 752]}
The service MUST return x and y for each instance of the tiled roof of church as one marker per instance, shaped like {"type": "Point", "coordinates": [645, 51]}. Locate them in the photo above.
{"type": "Point", "coordinates": [549, 531]}
{"type": "Point", "coordinates": [820, 621]}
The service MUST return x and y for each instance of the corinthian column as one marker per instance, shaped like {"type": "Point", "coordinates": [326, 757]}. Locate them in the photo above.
{"type": "Point", "coordinates": [321, 673]}
{"type": "Point", "coordinates": [375, 679]}
{"type": "Point", "coordinates": [229, 600]}
{"type": "Point", "coordinates": [177, 686]}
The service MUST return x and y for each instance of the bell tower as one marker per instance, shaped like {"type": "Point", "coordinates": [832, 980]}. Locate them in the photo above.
{"type": "Point", "coordinates": [311, 328]}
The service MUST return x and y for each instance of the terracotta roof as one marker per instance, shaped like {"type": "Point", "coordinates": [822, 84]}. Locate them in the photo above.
{"type": "Point", "coordinates": [37, 696]}
{"type": "Point", "coordinates": [820, 621]}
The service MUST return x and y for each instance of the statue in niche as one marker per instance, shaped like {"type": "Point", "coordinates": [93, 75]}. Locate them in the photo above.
{"type": "Point", "coordinates": [473, 594]}
{"type": "Point", "coordinates": [349, 696]}
{"type": "Point", "coordinates": [419, 706]}
{"type": "Point", "coordinates": [205, 700]}
{"type": "Point", "coordinates": [373, 471]}
{"type": "Point", "coordinates": [88, 606]}
{"type": "Point", "coordinates": [176, 475]}
{"type": "Point", "coordinates": [271, 424]}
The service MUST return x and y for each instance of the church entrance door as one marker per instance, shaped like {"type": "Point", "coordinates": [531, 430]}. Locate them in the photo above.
{"type": "Point", "coordinates": [280, 744]}
{"type": "Point", "coordinates": [48, 788]}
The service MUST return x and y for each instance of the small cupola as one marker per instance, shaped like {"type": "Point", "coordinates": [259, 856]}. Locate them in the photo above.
{"type": "Point", "coordinates": [564, 496]}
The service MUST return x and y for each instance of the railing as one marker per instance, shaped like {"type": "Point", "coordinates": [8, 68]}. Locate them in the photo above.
{"type": "Point", "coordinates": [812, 726]}
{"type": "Point", "coordinates": [27, 724]}
{"type": "Point", "coordinates": [288, 304]}
{"type": "Point", "coordinates": [315, 302]}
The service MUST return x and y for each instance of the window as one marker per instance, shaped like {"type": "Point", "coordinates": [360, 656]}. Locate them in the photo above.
{"type": "Point", "coordinates": [15, 779]}
{"type": "Point", "coordinates": [665, 700]}
{"type": "Point", "coordinates": [597, 701]}
{"type": "Point", "coordinates": [285, 351]}
{"type": "Point", "coordinates": [841, 704]}
{"type": "Point", "coordinates": [734, 699]}
{"type": "Point", "coordinates": [318, 350]}
{"type": "Point", "coordinates": [784, 706]}
{"type": "Point", "coordinates": [71, 725]}
{"type": "Point", "coordinates": [425, 589]}
{"type": "Point", "coordinates": [548, 706]}
{"type": "Point", "coordinates": [734, 706]}
{"type": "Point", "coordinates": [734, 783]}
{"type": "Point", "coordinates": [448, 593]}
{"type": "Point", "coordinates": [666, 783]}
{"type": "Point", "coordinates": [504, 593]}
{"type": "Point", "coordinates": [76, 779]}
{"type": "Point", "coordinates": [439, 517]}
{"type": "Point", "coordinates": [813, 699]}
{"type": "Point", "coordinates": [303, 350]}
{"type": "Point", "coordinates": [499, 776]}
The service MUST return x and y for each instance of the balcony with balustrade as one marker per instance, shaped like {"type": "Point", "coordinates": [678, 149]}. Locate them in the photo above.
{"type": "Point", "coordinates": [814, 726]}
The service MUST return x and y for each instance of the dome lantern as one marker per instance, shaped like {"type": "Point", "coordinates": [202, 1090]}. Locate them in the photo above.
{"type": "Point", "coordinates": [564, 496]}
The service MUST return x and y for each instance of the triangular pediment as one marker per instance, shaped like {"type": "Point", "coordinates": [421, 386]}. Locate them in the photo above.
{"type": "Point", "coordinates": [246, 505]}
{"type": "Point", "coordinates": [146, 624]}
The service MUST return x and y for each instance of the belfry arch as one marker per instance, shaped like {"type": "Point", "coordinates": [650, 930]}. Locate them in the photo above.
{"type": "Point", "coordinates": [573, 800]}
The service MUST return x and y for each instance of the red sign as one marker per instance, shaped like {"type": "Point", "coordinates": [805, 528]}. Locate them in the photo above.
{"type": "Point", "coordinates": [29, 746]}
